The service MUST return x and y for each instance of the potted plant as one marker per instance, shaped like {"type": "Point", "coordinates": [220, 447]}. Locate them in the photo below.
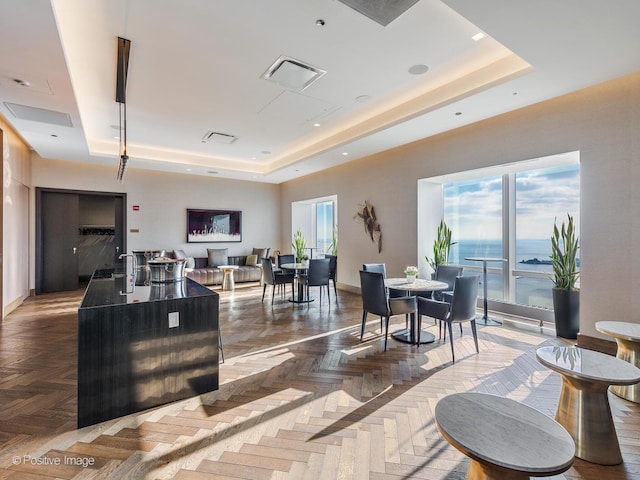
{"type": "Point", "coordinates": [566, 297]}
{"type": "Point", "coordinates": [411, 273]}
{"type": "Point", "coordinates": [441, 246]}
{"type": "Point", "coordinates": [333, 248]}
{"type": "Point", "coordinates": [299, 245]}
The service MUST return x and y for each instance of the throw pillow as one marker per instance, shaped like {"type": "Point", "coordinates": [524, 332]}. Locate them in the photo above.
{"type": "Point", "coordinates": [190, 263]}
{"type": "Point", "coordinates": [218, 256]}
{"type": "Point", "coordinates": [261, 252]}
{"type": "Point", "coordinates": [252, 260]}
{"type": "Point", "coordinates": [179, 254]}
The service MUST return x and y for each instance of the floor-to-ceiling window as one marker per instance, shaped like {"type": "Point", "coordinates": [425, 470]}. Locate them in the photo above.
{"type": "Point", "coordinates": [508, 212]}
{"type": "Point", "coordinates": [316, 219]}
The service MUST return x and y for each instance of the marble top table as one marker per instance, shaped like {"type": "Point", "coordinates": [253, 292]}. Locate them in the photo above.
{"type": "Point", "coordinates": [484, 260]}
{"type": "Point", "coordinates": [627, 336]}
{"type": "Point", "coordinates": [583, 408]}
{"type": "Point", "coordinates": [504, 439]}
{"type": "Point", "coordinates": [409, 335]}
{"type": "Point", "coordinates": [298, 268]}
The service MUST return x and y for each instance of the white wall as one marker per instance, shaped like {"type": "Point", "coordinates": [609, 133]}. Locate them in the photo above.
{"type": "Point", "coordinates": [601, 122]}
{"type": "Point", "coordinates": [163, 199]}
{"type": "Point", "coordinates": [15, 231]}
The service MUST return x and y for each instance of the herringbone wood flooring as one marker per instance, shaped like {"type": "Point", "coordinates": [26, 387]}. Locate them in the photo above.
{"type": "Point", "coordinates": [300, 398]}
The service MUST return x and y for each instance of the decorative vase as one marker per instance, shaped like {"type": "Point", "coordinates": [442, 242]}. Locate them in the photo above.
{"type": "Point", "coordinates": [411, 278]}
{"type": "Point", "coordinates": [566, 311]}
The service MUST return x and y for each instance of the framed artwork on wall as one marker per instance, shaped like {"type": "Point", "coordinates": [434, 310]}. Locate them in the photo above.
{"type": "Point", "coordinates": [212, 226]}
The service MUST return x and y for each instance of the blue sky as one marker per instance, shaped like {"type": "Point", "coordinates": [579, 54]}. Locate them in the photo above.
{"type": "Point", "coordinates": [473, 208]}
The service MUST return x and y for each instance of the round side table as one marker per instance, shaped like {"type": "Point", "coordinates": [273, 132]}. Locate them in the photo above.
{"type": "Point", "coordinates": [504, 439]}
{"type": "Point", "coordinates": [627, 336]}
{"type": "Point", "coordinates": [228, 282]}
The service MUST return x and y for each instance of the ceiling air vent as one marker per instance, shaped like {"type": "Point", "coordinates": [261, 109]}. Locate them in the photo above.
{"type": "Point", "coordinates": [215, 137]}
{"type": "Point", "coordinates": [292, 74]}
{"type": "Point", "coordinates": [35, 114]}
{"type": "Point", "coordinates": [381, 11]}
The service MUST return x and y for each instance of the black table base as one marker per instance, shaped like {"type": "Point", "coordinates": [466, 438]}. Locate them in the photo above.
{"type": "Point", "coordinates": [406, 335]}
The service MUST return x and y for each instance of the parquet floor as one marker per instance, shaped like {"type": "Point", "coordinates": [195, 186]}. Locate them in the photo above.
{"type": "Point", "coordinates": [300, 398]}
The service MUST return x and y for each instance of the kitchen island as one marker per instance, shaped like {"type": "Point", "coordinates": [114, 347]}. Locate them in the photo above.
{"type": "Point", "coordinates": [140, 346]}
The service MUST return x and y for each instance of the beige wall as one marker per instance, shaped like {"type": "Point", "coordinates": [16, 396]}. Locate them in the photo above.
{"type": "Point", "coordinates": [602, 122]}
{"type": "Point", "coordinates": [163, 199]}
{"type": "Point", "coordinates": [15, 225]}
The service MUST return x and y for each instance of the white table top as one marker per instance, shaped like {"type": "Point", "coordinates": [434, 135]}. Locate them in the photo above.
{"type": "Point", "coordinates": [503, 432]}
{"type": "Point", "coordinates": [294, 266]}
{"type": "Point", "coordinates": [583, 364]}
{"type": "Point", "coordinates": [485, 259]}
{"type": "Point", "coordinates": [420, 285]}
{"type": "Point", "coordinates": [623, 330]}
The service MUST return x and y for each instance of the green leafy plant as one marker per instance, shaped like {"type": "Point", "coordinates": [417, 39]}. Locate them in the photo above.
{"type": "Point", "coordinates": [564, 255]}
{"type": "Point", "coordinates": [441, 246]}
{"type": "Point", "coordinates": [333, 248]}
{"type": "Point", "coordinates": [299, 245]}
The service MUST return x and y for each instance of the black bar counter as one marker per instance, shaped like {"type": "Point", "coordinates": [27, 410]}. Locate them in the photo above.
{"type": "Point", "coordinates": [140, 346]}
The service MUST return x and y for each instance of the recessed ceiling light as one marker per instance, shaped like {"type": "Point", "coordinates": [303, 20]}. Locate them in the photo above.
{"type": "Point", "coordinates": [188, 169]}
{"type": "Point", "coordinates": [116, 137]}
{"type": "Point", "coordinates": [54, 135]}
{"type": "Point", "coordinates": [458, 113]}
{"type": "Point", "coordinates": [266, 152]}
{"type": "Point", "coordinates": [345, 153]}
{"type": "Point", "coordinates": [478, 36]}
{"type": "Point", "coordinates": [515, 93]}
{"type": "Point", "coordinates": [418, 69]}
{"type": "Point", "coordinates": [115, 127]}
{"type": "Point", "coordinates": [320, 22]}
{"type": "Point", "coordinates": [316, 124]}
{"type": "Point", "coordinates": [254, 158]}
{"type": "Point", "coordinates": [363, 98]}
{"type": "Point", "coordinates": [212, 172]}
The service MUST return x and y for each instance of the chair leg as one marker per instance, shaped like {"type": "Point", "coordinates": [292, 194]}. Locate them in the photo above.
{"type": "Point", "coordinates": [460, 328]}
{"type": "Point", "coordinates": [453, 355]}
{"type": "Point", "coordinates": [263, 291]}
{"type": "Point", "coordinates": [364, 321]}
{"type": "Point", "coordinates": [475, 334]}
{"type": "Point", "coordinates": [386, 334]}
{"type": "Point", "coordinates": [273, 294]}
{"type": "Point", "coordinates": [335, 290]}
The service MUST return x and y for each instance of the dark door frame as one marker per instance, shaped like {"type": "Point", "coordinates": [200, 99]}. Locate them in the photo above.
{"type": "Point", "coordinates": [39, 233]}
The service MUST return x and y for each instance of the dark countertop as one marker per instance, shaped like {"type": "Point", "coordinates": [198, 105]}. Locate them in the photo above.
{"type": "Point", "coordinates": [109, 287]}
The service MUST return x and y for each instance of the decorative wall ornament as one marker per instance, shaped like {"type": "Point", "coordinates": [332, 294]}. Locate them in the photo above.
{"type": "Point", "coordinates": [367, 216]}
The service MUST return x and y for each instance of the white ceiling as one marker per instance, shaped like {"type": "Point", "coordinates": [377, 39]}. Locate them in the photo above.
{"type": "Point", "coordinates": [195, 67]}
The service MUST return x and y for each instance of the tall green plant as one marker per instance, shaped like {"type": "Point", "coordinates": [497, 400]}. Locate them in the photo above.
{"type": "Point", "coordinates": [564, 255]}
{"type": "Point", "coordinates": [441, 246]}
{"type": "Point", "coordinates": [299, 245]}
{"type": "Point", "coordinates": [333, 248]}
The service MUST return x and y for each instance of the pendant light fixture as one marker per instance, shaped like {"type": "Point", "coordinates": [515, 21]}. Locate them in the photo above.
{"type": "Point", "coordinates": [124, 47]}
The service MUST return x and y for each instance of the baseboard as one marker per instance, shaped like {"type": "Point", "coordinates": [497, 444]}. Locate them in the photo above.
{"type": "Point", "coordinates": [598, 344]}
{"type": "Point", "coordinates": [12, 306]}
{"type": "Point", "coordinates": [348, 288]}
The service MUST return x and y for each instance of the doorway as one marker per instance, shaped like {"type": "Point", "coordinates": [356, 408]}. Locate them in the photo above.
{"type": "Point", "coordinates": [77, 232]}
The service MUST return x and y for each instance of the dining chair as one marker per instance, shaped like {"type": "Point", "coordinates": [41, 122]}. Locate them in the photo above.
{"type": "Point", "coordinates": [446, 274]}
{"type": "Point", "coordinates": [317, 276]}
{"type": "Point", "coordinates": [461, 309]}
{"type": "Point", "coordinates": [333, 270]}
{"type": "Point", "coordinates": [273, 278]}
{"type": "Point", "coordinates": [287, 258]}
{"type": "Point", "coordinates": [376, 301]}
{"type": "Point", "coordinates": [391, 292]}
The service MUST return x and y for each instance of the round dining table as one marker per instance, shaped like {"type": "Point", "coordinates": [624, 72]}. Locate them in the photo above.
{"type": "Point", "coordinates": [298, 268]}
{"type": "Point", "coordinates": [409, 335]}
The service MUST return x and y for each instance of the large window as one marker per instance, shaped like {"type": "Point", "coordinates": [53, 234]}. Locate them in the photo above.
{"type": "Point", "coordinates": [511, 216]}
{"type": "Point", "coordinates": [316, 219]}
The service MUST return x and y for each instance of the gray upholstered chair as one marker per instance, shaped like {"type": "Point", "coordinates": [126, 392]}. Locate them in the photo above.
{"type": "Point", "coordinates": [391, 292]}
{"type": "Point", "coordinates": [375, 300]}
{"type": "Point", "coordinates": [461, 309]}
{"type": "Point", "coordinates": [446, 274]}
{"type": "Point", "coordinates": [272, 278]}
{"type": "Point", "coordinates": [333, 270]}
{"type": "Point", "coordinates": [317, 276]}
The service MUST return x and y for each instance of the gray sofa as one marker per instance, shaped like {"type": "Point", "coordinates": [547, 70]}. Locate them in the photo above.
{"type": "Point", "coordinates": [206, 272]}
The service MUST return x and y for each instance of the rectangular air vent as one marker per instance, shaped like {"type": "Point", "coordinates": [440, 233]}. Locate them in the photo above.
{"type": "Point", "coordinates": [35, 114]}
{"type": "Point", "coordinates": [381, 11]}
{"type": "Point", "coordinates": [216, 137]}
{"type": "Point", "coordinates": [291, 73]}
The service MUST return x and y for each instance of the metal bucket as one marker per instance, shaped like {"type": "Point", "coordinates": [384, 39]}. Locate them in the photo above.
{"type": "Point", "coordinates": [143, 257]}
{"type": "Point", "coordinates": [166, 270]}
